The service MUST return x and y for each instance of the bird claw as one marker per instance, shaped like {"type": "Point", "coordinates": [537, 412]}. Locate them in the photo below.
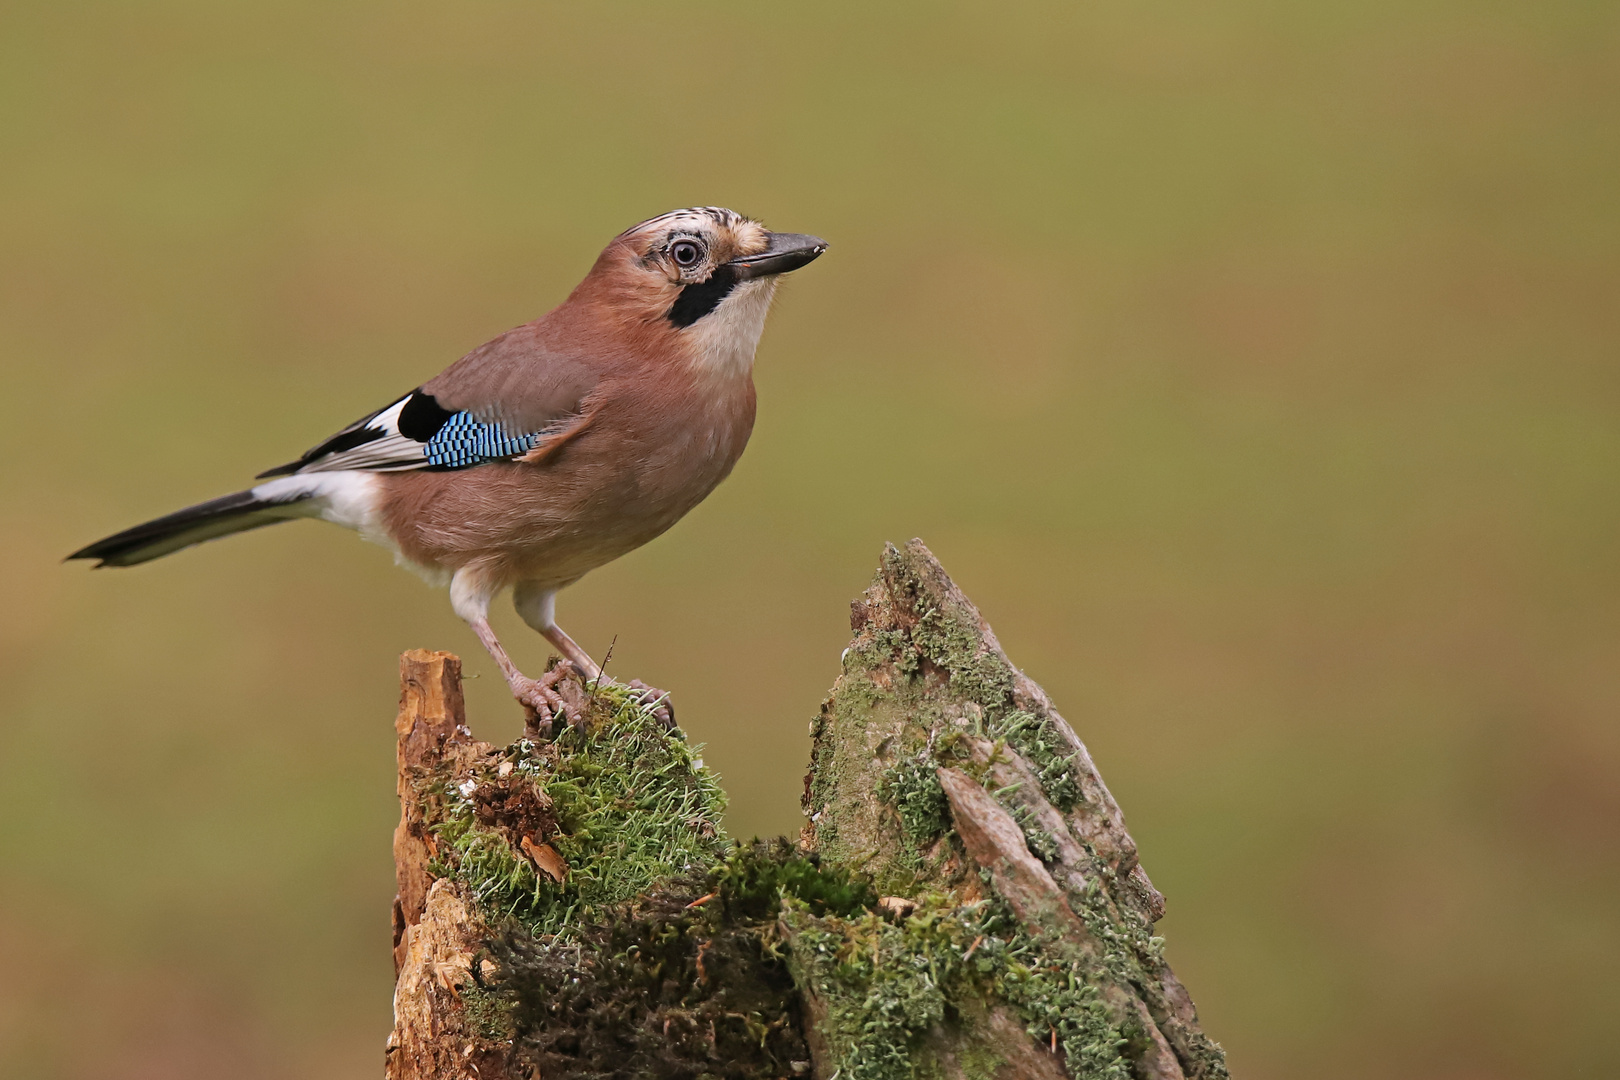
{"type": "Point", "coordinates": [543, 704]}
{"type": "Point", "coordinates": [664, 710]}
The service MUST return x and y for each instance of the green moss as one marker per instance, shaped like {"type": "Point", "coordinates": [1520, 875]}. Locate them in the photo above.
{"type": "Point", "coordinates": [885, 646]}
{"type": "Point", "coordinates": [823, 762]}
{"type": "Point", "coordinates": [911, 785]}
{"type": "Point", "coordinates": [753, 879]}
{"type": "Point", "coordinates": [488, 1013]}
{"type": "Point", "coordinates": [950, 639]}
{"type": "Point", "coordinates": [632, 804]}
{"type": "Point", "coordinates": [888, 984]}
{"type": "Point", "coordinates": [854, 745]}
{"type": "Point", "coordinates": [881, 986]}
{"type": "Point", "coordinates": [1048, 987]}
{"type": "Point", "coordinates": [1134, 956]}
{"type": "Point", "coordinates": [1045, 750]}
{"type": "Point", "coordinates": [1036, 838]}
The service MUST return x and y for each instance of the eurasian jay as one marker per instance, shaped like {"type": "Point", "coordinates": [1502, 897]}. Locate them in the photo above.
{"type": "Point", "coordinates": [551, 450]}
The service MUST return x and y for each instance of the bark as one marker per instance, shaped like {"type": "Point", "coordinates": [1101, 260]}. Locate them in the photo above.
{"type": "Point", "coordinates": [437, 932]}
{"type": "Point", "coordinates": [964, 901]}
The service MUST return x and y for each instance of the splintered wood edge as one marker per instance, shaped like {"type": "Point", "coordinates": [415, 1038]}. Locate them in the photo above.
{"type": "Point", "coordinates": [432, 710]}
{"type": "Point", "coordinates": [432, 716]}
{"type": "Point", "coordinates": [996, 842]}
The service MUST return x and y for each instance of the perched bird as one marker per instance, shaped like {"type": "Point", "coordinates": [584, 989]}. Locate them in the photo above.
{"type": "Point", "coordinates": [551, 450]}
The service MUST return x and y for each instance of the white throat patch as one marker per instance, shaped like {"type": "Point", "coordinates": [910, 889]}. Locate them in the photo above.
{"type": "Point", "coordinates": [723, 341]}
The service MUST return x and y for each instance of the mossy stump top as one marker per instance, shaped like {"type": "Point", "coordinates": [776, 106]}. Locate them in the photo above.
{"type": "Point", "coordinates": [964, 900]}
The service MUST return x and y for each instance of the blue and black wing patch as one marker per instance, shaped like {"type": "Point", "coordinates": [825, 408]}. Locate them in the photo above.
{"type": "Point", "coordinates": [415, 432]}
{"type": "Point", "coordinates": [463, 441]}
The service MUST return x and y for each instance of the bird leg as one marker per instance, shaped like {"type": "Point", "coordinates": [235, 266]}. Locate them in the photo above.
{"type": "Point", "coordinates": [572, 653]}
{"type": "Point", "coordinates": [537, 696]}
{"type": "Point", "coordinates": [538, 607]}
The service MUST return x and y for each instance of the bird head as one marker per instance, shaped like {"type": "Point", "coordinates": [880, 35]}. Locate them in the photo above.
{"type": "Point", "coordinates": [703, 277]}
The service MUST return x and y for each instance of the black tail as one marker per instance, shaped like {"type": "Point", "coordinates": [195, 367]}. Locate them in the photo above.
{"type": "Point", "coordinates": [205, 521]}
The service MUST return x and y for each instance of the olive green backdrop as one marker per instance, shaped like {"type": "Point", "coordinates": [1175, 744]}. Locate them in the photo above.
{"type": "Point", "coordinates": [1253, 365]}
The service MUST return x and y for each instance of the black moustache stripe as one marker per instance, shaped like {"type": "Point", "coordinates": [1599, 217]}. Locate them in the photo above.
{"type": "Point", "coordinates": [698, 300]}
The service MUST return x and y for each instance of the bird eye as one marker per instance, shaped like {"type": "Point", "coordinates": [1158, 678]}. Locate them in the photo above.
{"type": "Point", "coordinates": [686, 253]}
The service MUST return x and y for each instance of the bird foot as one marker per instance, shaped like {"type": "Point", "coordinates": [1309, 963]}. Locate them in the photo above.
{"type": "Point", "coordinates": [542, 703]}
{"type": "Point", "coordinates": [646, 695]}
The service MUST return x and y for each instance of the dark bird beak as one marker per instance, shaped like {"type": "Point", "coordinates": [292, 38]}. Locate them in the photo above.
{"type": "Point", "coordinates": [787, 251]}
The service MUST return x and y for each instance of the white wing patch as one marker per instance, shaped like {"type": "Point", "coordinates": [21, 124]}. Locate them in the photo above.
{"type": "Point", "coordinates": [437, 439]}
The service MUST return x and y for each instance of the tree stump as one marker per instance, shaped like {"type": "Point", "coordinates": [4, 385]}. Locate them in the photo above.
{"type": "Point", "coordinates": [964, 900]}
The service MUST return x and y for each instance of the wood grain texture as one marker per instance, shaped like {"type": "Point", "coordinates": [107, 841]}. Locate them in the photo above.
{"type": "Point", "coordinates": [432, 716]}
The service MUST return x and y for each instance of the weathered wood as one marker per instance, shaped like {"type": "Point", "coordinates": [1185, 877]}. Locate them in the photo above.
{"type": "Point", "coordinates": [929, 713]}
{"type": "Point", "coordinates": [437, 932]}
{"type": "Point", "coordinates": [994, 841]}
{"type": "Point", "coordinates": [433, 1036]}
{"type": "Point", "coordinates": [432, 717]}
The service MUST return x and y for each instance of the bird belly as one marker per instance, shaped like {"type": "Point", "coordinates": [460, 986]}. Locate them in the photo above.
{"type": "Point", "coordinates": [552, 523]}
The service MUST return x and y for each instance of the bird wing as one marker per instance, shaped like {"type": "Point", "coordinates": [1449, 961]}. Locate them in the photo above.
{"type": "Point", "coordinates": [502, 401]}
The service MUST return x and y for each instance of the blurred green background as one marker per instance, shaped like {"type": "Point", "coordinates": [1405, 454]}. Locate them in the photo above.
{"type": "Point", "coordinates": [1252, 365]}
